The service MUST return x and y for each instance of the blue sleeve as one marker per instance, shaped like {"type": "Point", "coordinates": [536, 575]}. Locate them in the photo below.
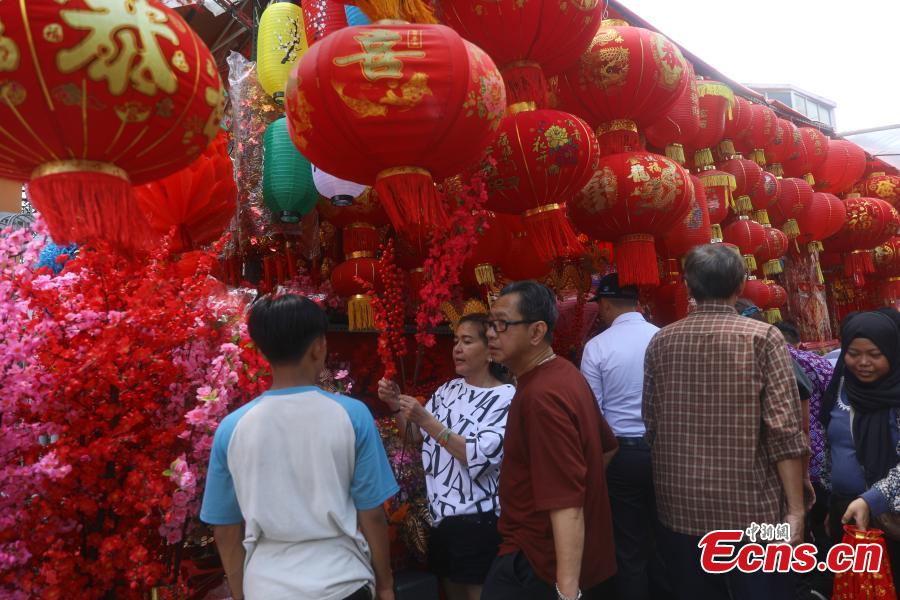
{"type": "Point", "coordinates": [220, 505]}
{"type": "Point", "coordinates": [373, 480]}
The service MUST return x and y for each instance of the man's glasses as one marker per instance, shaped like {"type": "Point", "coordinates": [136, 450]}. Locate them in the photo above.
{"type": "Point", "coordinates": [499, 325]}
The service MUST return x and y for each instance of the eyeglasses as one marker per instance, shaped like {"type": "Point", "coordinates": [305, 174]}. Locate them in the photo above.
{"type": "Point", "coordinates": [499, 325]}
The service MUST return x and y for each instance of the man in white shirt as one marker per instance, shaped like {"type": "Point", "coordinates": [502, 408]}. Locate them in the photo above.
{"type": "Point", "coordinates": [613, 364]}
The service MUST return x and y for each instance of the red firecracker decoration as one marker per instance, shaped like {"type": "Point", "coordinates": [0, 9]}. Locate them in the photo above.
{"type": "Point", "coordinates": [539, 160]}
{"type": "Point", "coordinates": [694, 229]}
{"type": "Point", "coordinates": [746, 177]}
{"type": "Point", "coordinates": [769, 255]}
{"type": "Point", "coordinates": [98, 96]}
{"type": "Point", "coordinates": [629, 77]}
{"type": "Point", "coordinates": [632, 197]}
{"type": "Point", "coordinates": [747, 235]}
{"type": "Point", "coordinates": [759, 134]}
{"type": "Point", "coordinates": [762, 195]}
{"type": "Point", "coordinates": [199, 201]}
{"type": "Point", "coordinates": [737, 127]}
{"type": "Point", "coordinates": [716, 104]}
{"type": "Point", "coordinates": [793, 198]}
{"type": "Point", "coordinates": [529, 41]}
{"type": "Point", "coordinates": [881, 185]}
{"type": "Point", "coordinates": [719, 189]}
{"type": "Point", "coordinates": [853, 585]}
{"type": "Point", "coordinates": [844, 164]}
{"type": "Point", "coordinates": [402, 104]}
{"type": "Point", "coordinates": [681, 123]}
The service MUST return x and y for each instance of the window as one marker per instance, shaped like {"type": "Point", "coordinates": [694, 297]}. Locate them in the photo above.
{"type": "Point", "coordinates": [783, 97]}
{"type": "Point", "coordinates": [799, 104]}
{"type": "Point", "coordinates": [812, 110]}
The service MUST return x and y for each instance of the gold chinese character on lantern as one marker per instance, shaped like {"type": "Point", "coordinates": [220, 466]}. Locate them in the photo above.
{"type": "Point", "coordinates": [121, 46]}
{"type": "Point", "coordinates": [9, 52]}
{"type": "Point", "coordinates": [378, 59]}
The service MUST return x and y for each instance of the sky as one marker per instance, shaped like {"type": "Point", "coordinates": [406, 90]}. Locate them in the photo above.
{"type": "Point", "coordinates": [846, 51]}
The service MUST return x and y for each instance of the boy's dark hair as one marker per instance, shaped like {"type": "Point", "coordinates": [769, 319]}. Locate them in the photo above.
{"type": "Point", "coordinates": [789, 331]}
{"type": "Point", "coordinates": [536, 303]}
{"type": "Point", "coordinates": [284, 327]}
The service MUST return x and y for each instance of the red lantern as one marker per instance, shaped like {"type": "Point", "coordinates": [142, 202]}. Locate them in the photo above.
{"type": "Point", "coordinates": [870, 223]}
{"type": "Point", "coordinates": [716, 103]}
{"type": "Point", "coordinates": [816, 144]}
{"type": "Point", "coordinates": [747, 235]}
{"type": "Point", "coordinates": [793, 198]}
{"type": "Point", "coordinates": [671, 299]}
{"type": "Point", "coordinates": [782, 146]}
{"type": "Point", "coordinates": [680, 125]}
{"type": "Point", "coordinates": [760, 133]}
{"type": "Point", "coordinates": [844, 164]}
{"type": "Point", "coordinates": [763, 194]}
{"type": "Point", "coordinates": [349, 280]}
{"type": "Point", "coordinates": [493, 243]}
{"type": "Point", "coordinates": [198, 201]}
{"type": "Point", "coordinates": [522, 260]}
{"type": "Point", "coordinates": [359, 237]}
{"type": "Point", "coordinates": [632, 197]}
{"type": "Point", "coordinates": [694, 229]}
{"type": "Point", "coordinates": [539, 160]}
{"type": "Point", "coordinates": [881, 185]}
{"type": "Point", "coordinates": [887, 258]}
{"type": "Point", "coordinates": [719, 188]}
{"type": "Point", "coordinates": [629, 77]}
{"type": "Point", "coordinates": [774, 247]}
{"type": "Point", "coordinates": [365, 208]}
{"type": "Point", "coordinates": [98, 96]}
{"type": "Point", "coordinates": [746, 177]}
{"type": "Point", "coordinates": [403, 103]}
{"type": "Point", "coordinates": [823, 218]}
{"type": "Point", "coordinates": [757, 292]}
{"type": "Point", "coordinates": [737, 127]}
{"type": "Point", "coordinates": [528, 40]}
{"type": "Point", "coordinates": [777, 301]}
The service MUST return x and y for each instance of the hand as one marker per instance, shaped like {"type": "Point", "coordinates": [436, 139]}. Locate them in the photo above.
{"type": "Point", "coordinates": [413, 411]}
{"type": "Point", "coordinates": [796, 522]}
{"type": "Point", "coordinates": [384, 594]}
{"type": "Point", "coordinates": [859, 513]}
{"type": "Point", "coordinates": [389, 393]}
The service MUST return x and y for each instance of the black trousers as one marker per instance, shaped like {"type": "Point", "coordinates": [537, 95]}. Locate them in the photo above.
{"type": "Point", "coordinates": [691, 582]}
{"type": "Point", "coordinates": [362, 593]}
{"type": "Point", "coordinates": [641, 570]}
{"type": "Point", "coordinates": [512, 578]}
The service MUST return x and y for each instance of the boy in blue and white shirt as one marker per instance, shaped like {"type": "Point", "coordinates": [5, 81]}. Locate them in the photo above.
{"type": "Point", "coordinates": [298, 476]}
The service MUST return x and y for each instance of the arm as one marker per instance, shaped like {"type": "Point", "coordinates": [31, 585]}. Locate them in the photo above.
{"type": "Point", "coordinates": [590, 368]}
{"type": "Point", "coordinates": [374, 528]}
{"type": "Point", "coordinates": [230, 544]}
{"type": "Point", "coordinates": [650, 397]}
{"type": "Point", "coordinates": [456, 444]}
{"type": "Point", "coordinates": [609, 442]}
{"type": "Point", "coordinates": [790, 472]}
{"type": "Point", "coordinates": [568, 540]}
{"type": "Point", "coordinates": [389, 393]}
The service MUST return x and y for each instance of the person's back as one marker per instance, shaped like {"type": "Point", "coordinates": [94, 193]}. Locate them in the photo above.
{"type": "Point", "coordinates": [302, 472]}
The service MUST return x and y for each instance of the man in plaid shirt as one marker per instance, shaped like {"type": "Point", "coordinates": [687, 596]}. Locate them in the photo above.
{"type": "Point", "coordinates": [723, 420]}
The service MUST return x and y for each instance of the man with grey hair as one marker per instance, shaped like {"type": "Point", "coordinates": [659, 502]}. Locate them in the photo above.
{"type": "Point", "coordinates": [724, 426]}
{"type": "Point", "coordinates": [555, 517]}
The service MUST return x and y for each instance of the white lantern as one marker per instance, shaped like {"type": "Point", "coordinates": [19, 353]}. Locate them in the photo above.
{"type": "Point", "coordinates": [339, 191]}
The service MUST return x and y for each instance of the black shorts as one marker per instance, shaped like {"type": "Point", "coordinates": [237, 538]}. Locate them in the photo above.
{"type": "Point", "coordinates": [462, 548]}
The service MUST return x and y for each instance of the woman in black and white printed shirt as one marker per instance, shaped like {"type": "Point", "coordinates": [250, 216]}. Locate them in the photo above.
{"type": "Point", "coordinates": [461, 428]}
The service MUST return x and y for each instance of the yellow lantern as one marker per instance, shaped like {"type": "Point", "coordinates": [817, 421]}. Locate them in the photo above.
{"type": "Point", "coordinates": [280, 43]}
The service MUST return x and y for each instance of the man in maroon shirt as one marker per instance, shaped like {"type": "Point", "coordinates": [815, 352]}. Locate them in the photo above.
{"type": "Point", "coordinates": [554, 507]}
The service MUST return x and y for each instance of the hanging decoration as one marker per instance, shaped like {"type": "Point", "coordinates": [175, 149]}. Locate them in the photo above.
{"type": "Point", "coordinates": [539, 160]}
{"type": "Point", "coordinates": [628, 78]}
{"type": "Point", "coordinates": [716, 105]}
{"type": "Point", "coordinates": [632, 197]}
{"type": "Point", "coordinates": [824, 217]}
{"type": "Point", "coordinates": [280, 42]}
{"type": "Point", "coordinates": [757, 292]}
{"type": "Point", "coordinates": [854, 585]}
{"type": "Point", "coordinates": [338, 191]}
{"type": "Point", "coordinates": [529, 41]}
{"type": "Point", "coordinates": [719, 189]}
{"type": "Point", "coordinates": [773, 249]}
{"type": "Point", "coordinates": [762, 195]}
{"type": "Point", "coordinates": [737, 127]}
{"type": "Point", "coordinates": [681, 123]}
{"type": "Point", "coordinates": [88, 112]}
{"type": "Point", "coordinates": [779, 149]}
{"type": "Point", "coordinates": [759, 135]}
{"type": "Point", "coordinates": [352, 279]}
{"type": "Point", "coordinates": [747, 235]}
{"type": "Point", "coordinates": [694, 229]}
{"type": "Point", "coordinates": [288, 186]}
{"type": "Point", "coordinates": [793, 198]}
{"type": "Point", "coordinates": [746, 177]}
{"type": "Point", "coordinates": [844, 165]}
{"type": "Point", "coordinates": [816, 144]}
{"type": "Point", "coordinates": [777, 301]}
{"type": "Point", "coordinates": [870, 223]}
{"type": "Point", "coordinates": [881, 185]}
{"type": "Point", "coordinates": [493, 242]}
{"type": "Point", "coordinates": [367, 125]}
{"type": "Point", "coordinates": [198, 201]}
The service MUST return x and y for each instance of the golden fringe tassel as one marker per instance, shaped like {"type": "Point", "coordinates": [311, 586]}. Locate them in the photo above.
{"type": "Point", "coordinates": [750, 261]}
{"type": "Point", "coordinates": [743, 205]}
{"type": "Point", "coordinates": [762, 217]}
{"type": "Point", "coordinates": [704, 158]}
{"type": "Point", "coordinates": [360, 315]}
{"type": "Point", "coordinates": [758, 155]}
{"type": "Point", "coordinates": [810, 179]}
{"type": "Point", "coordinates": [776, 169]}
{"type": "Point", "coordinates": [819, 274]}
{"type": "Point", "coordinates": [727, 148]}
{"type": "Point", "coordinates": [791, 228]}
{"type": "Point", "coordinates": [676, 153]}
{"type": "Point", "coordinates": [773, 267]}
{"type": "Point", "coordinates": [773, 315]}
{"type": "Point", "coordinates": [717, 237]}
{"type": "Point", "coordinates": [815, 247]}
{"type": "Point", "coordinates": [484, 274]}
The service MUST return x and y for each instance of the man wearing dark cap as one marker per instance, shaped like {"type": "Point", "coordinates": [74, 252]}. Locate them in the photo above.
{"type": "Point", "coordinates": [613, 364]}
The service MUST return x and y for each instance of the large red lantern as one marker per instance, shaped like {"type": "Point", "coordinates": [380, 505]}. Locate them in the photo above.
{"type": "Point", "coordinates": [719, 188]}
{"type": "Point", "coordinates": [844, 164]}
{"type": "Point", "coordinates": [870, 223]}
{"type": "Point", "coordinates": [746, 178]}
{"type": "Point", "coordinates": [394, 106]}
{"type": "Point", "coordinates": [762, 195]}
{"type": "Point", "coordinates": [782, 146]}
{"type": "Point", "coordinates": [539, 160]}
{"type": "Point", "coordinates": [823, 218]}
{"type": "Point", "coordinates": [887, 258]}
{"type": "Point", "coordinates": [769, 255]}
{"type": "Point", "coordinates": [628, 77]}
{"type": "Point", "coordinates": [793, 198]}
{"type": "Point", "coordinates": [716, 103]}
{"type": "Point", "coordinates": [97, 96]}
{"type": "Point", "coordinates": [759, 134]}
{"type": "Point", "coordinates": [737, 127]}
{"type": "Point", "coordinates": [816, 145]}
{"type": "Point", "coordinates": [529, 41]}
{"type": "Point", "coordinates": [632, 197]}
{"type": "Point", "coordinates": [681, 123]}
{"type": "Point", "coordinates": [199, 201]}
{"type": "Point", "coordinates": [747, 235]}
{"type": "Point", "coordinates": [694, 229]}
{"type": "Point", "coordinates": [881, 185]}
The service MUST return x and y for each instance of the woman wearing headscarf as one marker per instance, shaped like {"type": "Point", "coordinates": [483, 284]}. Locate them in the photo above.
{"type": "Point", "coordinates": [861, 414]}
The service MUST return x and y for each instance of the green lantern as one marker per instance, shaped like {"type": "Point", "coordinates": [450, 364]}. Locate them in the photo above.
{"type": "Point", "coordinates": [288, 187]}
